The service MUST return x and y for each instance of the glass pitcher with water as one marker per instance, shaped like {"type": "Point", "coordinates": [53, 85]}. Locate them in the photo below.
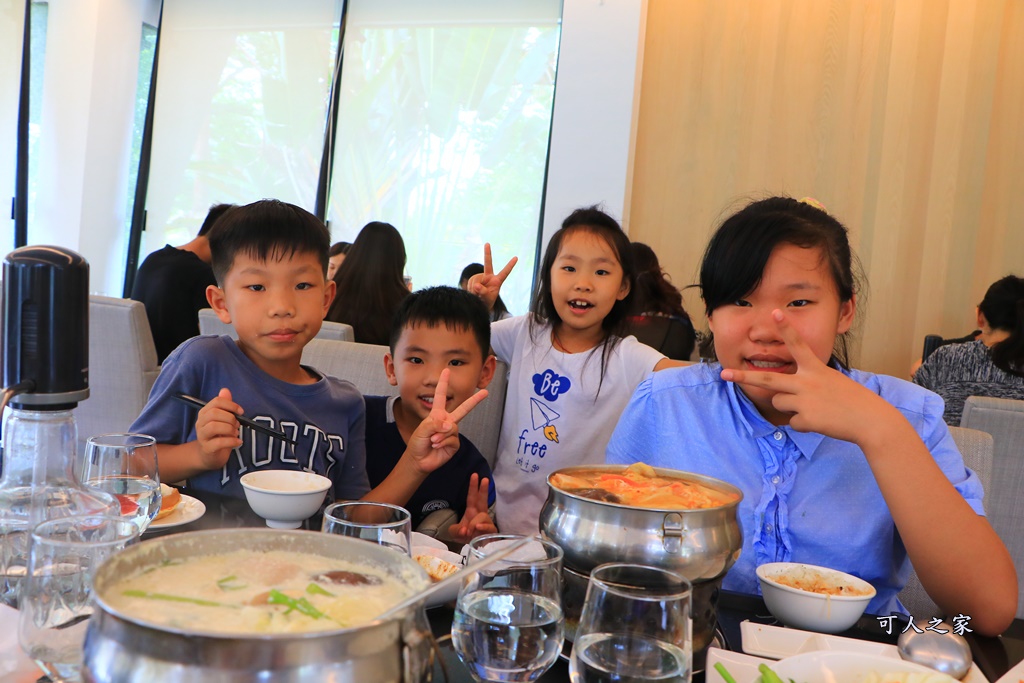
{"type": "Point", "coordinates": [45, 346]}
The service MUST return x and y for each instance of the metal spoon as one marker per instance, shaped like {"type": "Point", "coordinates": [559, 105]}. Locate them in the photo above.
{"type": "Point", "coordinates": [947, 652]}
{"type": "Point", "coordinates": [457, 577]}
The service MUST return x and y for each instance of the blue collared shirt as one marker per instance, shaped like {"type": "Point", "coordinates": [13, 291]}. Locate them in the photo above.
{"type": "Point", "coordinates": [806, 497]}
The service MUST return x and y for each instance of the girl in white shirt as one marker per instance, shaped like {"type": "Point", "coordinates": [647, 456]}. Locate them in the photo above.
{"type": "Point", "coordinates": [571, 371]}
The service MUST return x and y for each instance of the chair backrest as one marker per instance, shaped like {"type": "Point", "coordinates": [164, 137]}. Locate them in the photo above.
{"type": "Point", "coordinates": [976, 447]}
{"type": "Point", "coordinates": [363, 365]}
{"type": "Point", "coordinates": [668, 334]}
{"type": "Point", "coordinates": [1004, 420]}
{"type": "Point", "coordinates": [931, 342]}
{"type": "Point", "coordinates": [122, 366]}
{"type": "Point", "coordinates": [209, 323]}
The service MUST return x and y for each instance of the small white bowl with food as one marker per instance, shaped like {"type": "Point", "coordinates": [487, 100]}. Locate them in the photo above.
{"type": "Point", "coordinates": [813, 598]}
{"type": "Point", "coordinates": [438, 562]}
{"type": "Point", "coordinates": [285, 498]}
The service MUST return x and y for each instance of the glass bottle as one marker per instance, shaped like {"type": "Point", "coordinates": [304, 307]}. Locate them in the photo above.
{"type": "Point", "coordinates": [39, 484]}
{"type": "Point", "coordinates": [44, 341]}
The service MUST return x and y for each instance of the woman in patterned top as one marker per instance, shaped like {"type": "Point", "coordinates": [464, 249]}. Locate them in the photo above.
{"type": "Point", "coordinates": [993, 364]}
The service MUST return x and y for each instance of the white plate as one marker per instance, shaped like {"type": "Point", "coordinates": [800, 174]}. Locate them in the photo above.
{"type": "Point", "coordinates": [15, 666]}
{"type": "Point", "coordinates": [423, 541]}
{"type": "Point", "coordinates": [188, 510]}
{"type": "Point", "coordinates": [844, 667]}
{"type": "Point", "coordinates": [835, 667]}
{"type": "Point", "coordinates": [777, 642]}
{"type": "Point", "coordinates": [1014, 675]}
{"type": "Point", "coordinates": [742, 667]}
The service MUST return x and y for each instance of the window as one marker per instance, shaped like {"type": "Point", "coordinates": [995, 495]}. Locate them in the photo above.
{"type": "Point", "coordinates": [444, 116]}
{"type": "Point", "coordinates": [147, 52]}
{"type": "Point", "coordinates": [12, 26]}
{"type": "Point", "coordinates": [241, 107]}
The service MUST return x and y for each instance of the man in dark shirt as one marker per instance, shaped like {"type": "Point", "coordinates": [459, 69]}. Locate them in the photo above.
{"type": "Point", "coordinates": [172, 284]}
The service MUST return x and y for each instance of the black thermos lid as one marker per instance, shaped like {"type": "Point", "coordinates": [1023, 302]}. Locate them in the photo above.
{"type": "Point", "coordinates": [46, 327]}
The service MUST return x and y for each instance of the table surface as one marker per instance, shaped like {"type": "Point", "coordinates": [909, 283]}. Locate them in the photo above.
{"type": "Point", "coordinates": [994, 656]}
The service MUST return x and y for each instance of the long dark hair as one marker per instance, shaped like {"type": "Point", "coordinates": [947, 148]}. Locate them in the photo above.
{"type": "Point", "coordinates": [596, 222]}
{"type": "Point", "coordinates": [1003, 308]}
{"type": "Point", "coordinates": [737, 254]}
{"type": "Point", "coordinates": [653, 292]}
{"type": "Point", "coordinates": [370, 283]}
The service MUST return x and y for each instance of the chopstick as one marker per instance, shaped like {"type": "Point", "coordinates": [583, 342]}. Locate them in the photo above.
{"type": "Point", "coordinates": [197, 403]}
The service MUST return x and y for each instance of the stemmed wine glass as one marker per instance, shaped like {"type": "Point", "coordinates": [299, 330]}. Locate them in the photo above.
{"type": "Point", "coordinates": [635, 626]}
{"type": "Point", "coordinates": [56, 595]}
{"type": "Point", "coordinates": [125, 466]}
{"type": "Point", "coordinates": [508, 623]}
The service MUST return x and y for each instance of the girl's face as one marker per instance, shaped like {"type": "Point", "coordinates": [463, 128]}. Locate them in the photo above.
{"type": "Point", "coordinates": [333, 263]}
{"type": "Point", "coordinates": [586, 281]}
{"type": "Point", "coordinates": [797, 281]}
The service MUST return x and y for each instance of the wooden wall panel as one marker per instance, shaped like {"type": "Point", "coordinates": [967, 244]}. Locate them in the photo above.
{"type": "Point", "coordinates": [901, 116]}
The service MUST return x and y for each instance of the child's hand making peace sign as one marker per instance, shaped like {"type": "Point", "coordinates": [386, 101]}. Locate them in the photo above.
{"type": "Point", "coordinates": [476, 521]}
{"type": "Point", "coordinates": [436, 440]}
{"type": "Point", "coordinates": [487, 285]}
{"type": "Point", "coordinates": [819, 398]}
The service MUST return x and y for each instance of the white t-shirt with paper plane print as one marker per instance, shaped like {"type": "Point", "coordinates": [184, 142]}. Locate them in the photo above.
{"type": "Point", "coordinates": [554, 416]}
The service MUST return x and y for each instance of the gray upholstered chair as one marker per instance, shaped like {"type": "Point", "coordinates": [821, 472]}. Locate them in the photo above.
{"type": "Point", "coordinates": [209, 323]}
{"type": "Point", "coordinates": [1004, 420]}
{"type": "Point", "coordinates": [122, 366]}
{"type": "Point", "coordinates": [363, 365]}
{"type": "Point", "coordinates": [977, 449]}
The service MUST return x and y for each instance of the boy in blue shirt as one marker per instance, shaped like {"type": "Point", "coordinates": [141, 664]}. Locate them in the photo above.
{"type": "Point", "coordinates": [270, 261]}
{"type": "Point", "coordinates": [435, 329]}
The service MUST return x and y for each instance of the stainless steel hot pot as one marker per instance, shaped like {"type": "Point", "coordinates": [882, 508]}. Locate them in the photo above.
{"type": "Point", "coordinates": [699, 544]}
{"type": "Point", "coordinates": [123, 649]}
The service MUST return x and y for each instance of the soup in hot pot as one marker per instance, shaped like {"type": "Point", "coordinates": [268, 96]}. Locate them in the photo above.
{"type": "Point", "coordinates": [639, 485]}
{"type": "Point", "coordinates": [257, 592]}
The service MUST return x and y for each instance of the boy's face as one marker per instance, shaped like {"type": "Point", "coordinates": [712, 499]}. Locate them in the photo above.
{"type": "Point", "coordinates": [276, 307]}
{"type": "Point", "coordinates": [421, 354]}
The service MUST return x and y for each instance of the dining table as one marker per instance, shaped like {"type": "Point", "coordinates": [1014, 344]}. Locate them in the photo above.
{"type": "Point", "coordinates": [993, 656]}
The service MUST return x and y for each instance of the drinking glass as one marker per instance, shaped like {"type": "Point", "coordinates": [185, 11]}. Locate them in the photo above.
{"type": "Point", "coordinates": [508, 623]}
{"type": "Point", "coordinates": [381, 523]}
{"type": "Point", "coordinates": [124, 465]}
{"type": "Point", "coordinates": [56, 596]}
{"type": "Point", "coordinates": [635, 626]}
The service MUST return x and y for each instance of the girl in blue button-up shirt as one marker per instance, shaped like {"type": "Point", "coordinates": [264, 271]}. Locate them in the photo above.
{"type": "Point", "coordinates": [838, 467]}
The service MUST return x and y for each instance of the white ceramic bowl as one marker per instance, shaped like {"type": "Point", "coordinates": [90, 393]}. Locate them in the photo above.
{"type": "Point", "coordinates": [807, 609]}
{"type": "Point", "coordinates": [285, 498]}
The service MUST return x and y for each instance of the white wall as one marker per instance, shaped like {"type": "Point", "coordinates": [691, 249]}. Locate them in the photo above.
{"type": "Point", "coordinates": [91, 69]}
{"type": "Point", "coordinates": [88, 107]}
{"type": "Point", "coordinates": [595, 89]}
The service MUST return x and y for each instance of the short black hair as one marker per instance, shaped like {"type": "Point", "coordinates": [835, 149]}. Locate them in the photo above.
{"type": "Point", "coordinates": [735, 258]}
{"type": "Point", "coordinates": [215, 212]}
{"type": "Point", "coordinates": [448, 306]}
{"type": "Point", "coordinates": [469, 271]}
{"type": "Point", "coordinates": [339, 248]}
{"type": "Point", "coordinates": [267, 229]}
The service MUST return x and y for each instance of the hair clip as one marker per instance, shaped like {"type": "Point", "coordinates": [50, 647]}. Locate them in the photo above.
{"type": "Point", "coordinates": [811, 201]}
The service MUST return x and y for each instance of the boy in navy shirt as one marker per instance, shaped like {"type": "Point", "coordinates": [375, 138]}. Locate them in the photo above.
{"type": "Point", "coordinates": [435, 329]}
{"type": "Point", "coordinates": [270, 261]}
